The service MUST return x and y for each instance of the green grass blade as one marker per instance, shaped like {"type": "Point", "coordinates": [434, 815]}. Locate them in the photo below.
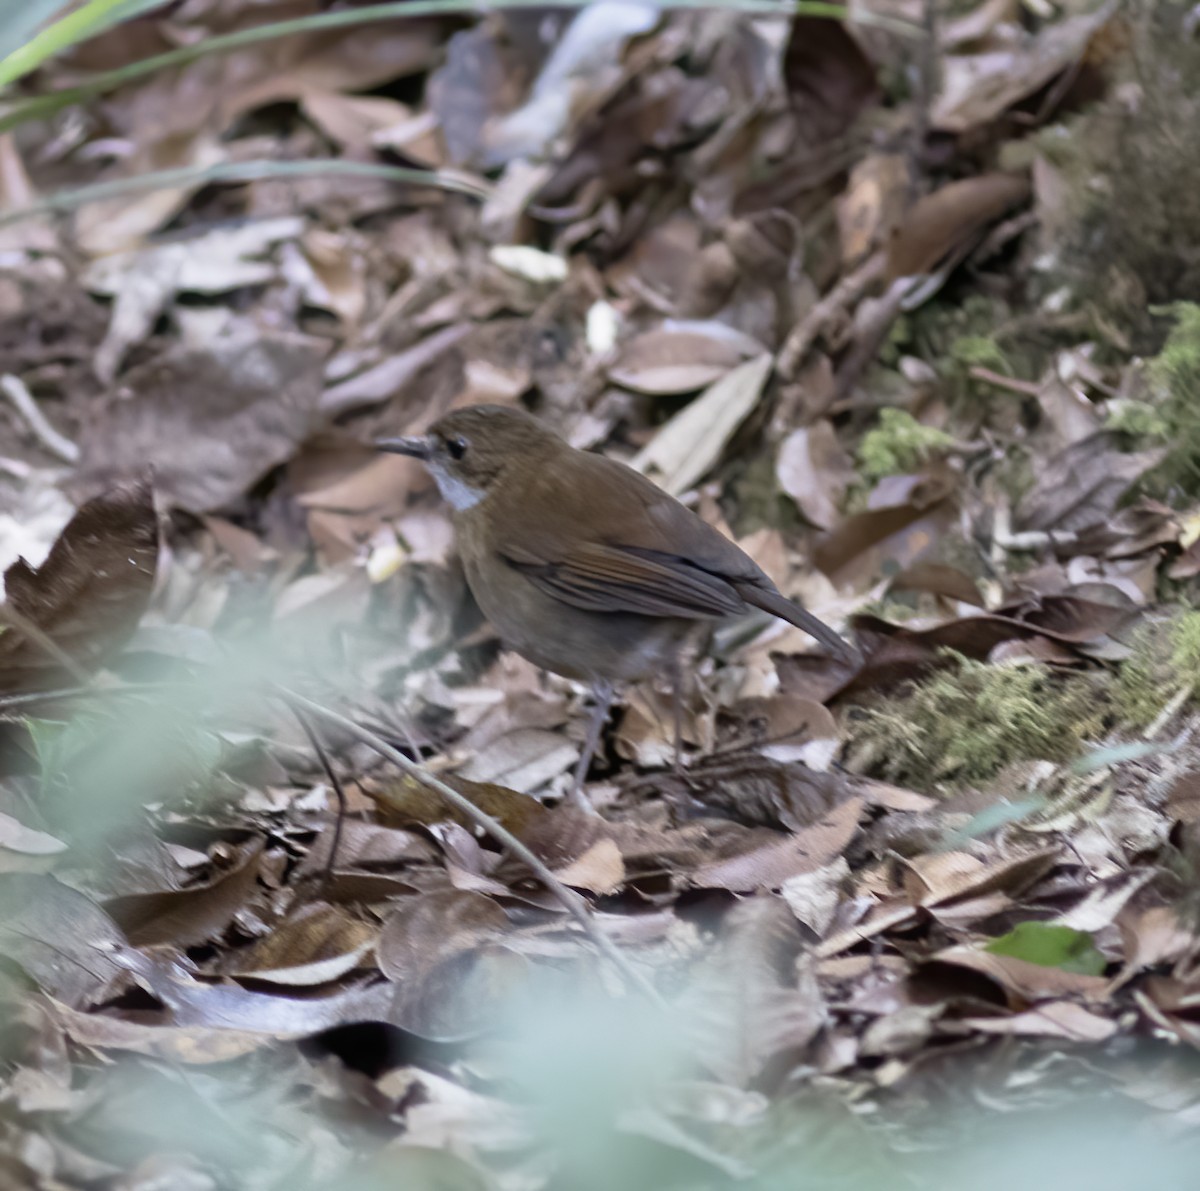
{"type": "Point", "coordinates": [241, 171]}
{"type": "Point", "coordinates": [21, 19]}
{"type": "Point", "coordinates": [85, 22]}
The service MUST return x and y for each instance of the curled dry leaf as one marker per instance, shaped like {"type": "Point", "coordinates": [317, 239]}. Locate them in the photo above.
{"type": "Point", "coordinates": [976, 88]}
{"type": "Point", "coordinates": [828, 77]}
{"type": "Point", "coordinates": [89, 594]}
{"type": "Point", "coordinates": [314, 945]}
{"type": "Point", "coordinates": [145, 280]}
{"type": "Point", "coordinates": [213, 419]}
{"type": "Point", "coordinates": [187, 916]}
{"type": "Point", "coordinates": [450, 972]}
{"type": "Point", "coordinates": [814, 470]}
{"type": "Point", "coordinates": [577, 847]}
{"type": "Point", "coordinates": [944, 221]}
{"type": "Point", "coordinates": [196, 1045]}
{"type": "Point", "coordinates": [16, 837]}
{"type": "Point", "coordinates": [1079, 488]}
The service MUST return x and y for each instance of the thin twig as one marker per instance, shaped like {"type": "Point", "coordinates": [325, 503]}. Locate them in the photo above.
{"type": "Point", "coordinates": [575, 905]}
{"type": "Point", "coordinates": [841, 298]}
{"type": "Point", "coordinates": [57, 444]}
{"type": "Point", "coordinates": [22, 624]}
{"type": "Point", "coordinates": [339, 793]}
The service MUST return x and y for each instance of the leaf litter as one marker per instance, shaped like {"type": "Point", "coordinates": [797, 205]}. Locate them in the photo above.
{"type": "Point", "coordinates": [717, 247]}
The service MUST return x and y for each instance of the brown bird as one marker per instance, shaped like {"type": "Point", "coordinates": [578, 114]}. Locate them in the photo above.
{"type": "Point", "coordinates": [585, 567]}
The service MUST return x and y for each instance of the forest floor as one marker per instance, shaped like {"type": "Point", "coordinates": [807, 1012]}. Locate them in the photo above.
{"type": "Point", "coordinates": [906, 307]}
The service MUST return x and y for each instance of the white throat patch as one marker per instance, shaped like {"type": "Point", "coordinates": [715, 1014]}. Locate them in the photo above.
{"type": "Point", "coordinates": [458, 494]}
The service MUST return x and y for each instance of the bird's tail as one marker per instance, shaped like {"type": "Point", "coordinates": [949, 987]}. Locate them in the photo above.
{"type": "Point", "coordinates": [779, 605]}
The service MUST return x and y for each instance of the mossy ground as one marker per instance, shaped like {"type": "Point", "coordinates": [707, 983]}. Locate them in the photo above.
{"type": "Point", "coordinates": [965, 723]}
{"type": "Point", "coordinates": [1165, 661]}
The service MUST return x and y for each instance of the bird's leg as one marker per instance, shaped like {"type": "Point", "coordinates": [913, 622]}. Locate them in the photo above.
{"type": "Point", "coordinates": [676, 674]}
{"type": "Point", "coordinates": [603, 693]}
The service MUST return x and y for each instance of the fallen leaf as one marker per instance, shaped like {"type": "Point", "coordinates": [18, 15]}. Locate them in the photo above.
{"type": "Point", "coordinates": [188, 916]}
{"type": "Point", "coordinates": [1050, 946]}
{"type": "Point", "coordinates": [976, 88]}
{"type": "Point", "coordinates": [680, 357]}
{"type": "Point", "coordinates": [942, 222]}
{"type": "Point", "coordinates": [213, 420]}
{"type": "Point", "coordinates": [63, 940]}
{"type": "Point", "coordinates": [692, 441]}
{"type": "Point", "coordinates": [766, 859]}
{"type": "Point", "coordinates": [747, 1004]}
{"type": "Point", "coordinates": [1080, 486]}
{"type": "Point", "coordinates": [89, 594]}
{"type": "Point", "coordinates": [827, 76]}
{"type": "Point", "coordinates": [1053, 1019]}
{"type": "Point", "coordinates": [444, 954]}
{"type": "Point", "coordinates": [16, 837]}
{"type": "Point", "coordinates": [144, 280]}
{"type": "Point", "coordinates": [316, 944]}
{"type": "Point", "coordinates": [814, 470]}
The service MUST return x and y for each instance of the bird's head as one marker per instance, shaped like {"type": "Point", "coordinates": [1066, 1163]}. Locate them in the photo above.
{"type": "Point", "coordinates": [470, 450]}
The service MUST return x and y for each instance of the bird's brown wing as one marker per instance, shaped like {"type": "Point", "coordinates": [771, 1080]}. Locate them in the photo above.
{"type": "Point", "coordinates": [602, 578]}
{"type": "Point", "coordinates": [644, 552]}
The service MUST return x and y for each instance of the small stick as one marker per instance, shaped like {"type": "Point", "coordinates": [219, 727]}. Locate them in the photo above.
{"type": "Point", "coordinates": [57, 444]}
{"type": "Point", "coordinates": [572, 902]}
{"type": "Point", "coordinates": [22, 624]}
{"type": "Point", "coordinates": [843, 295]}
{"type": "Point", "coordinates": [339, 793]}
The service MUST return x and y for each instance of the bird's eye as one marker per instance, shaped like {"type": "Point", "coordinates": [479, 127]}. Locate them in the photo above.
{"type": "Point", "coordinates": [457, 447]}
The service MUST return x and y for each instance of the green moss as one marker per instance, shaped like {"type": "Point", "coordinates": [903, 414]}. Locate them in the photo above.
{"type": "Point", "coordinates": [968, 721]}
{"type": "Point", "coordinates": [979, 351]}
{"type": "Point", "coordinates": [1174, 376]}
{"type": "Point", "coordinates": [1165, 660]}
{"type": "Point", "coordinates": [899, 444]}
{"type": "Point", "coordinates": [1141, 420]}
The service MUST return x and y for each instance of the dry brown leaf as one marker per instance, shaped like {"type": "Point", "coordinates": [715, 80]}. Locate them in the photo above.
{"type": "Point", "coordinates": [16, 837]}
{"type": "Point", "coordinates": [680, 357]}
{"type": "Point", "coordinates": [187, 916]}
{"type": "Point", "coordinates": [122, 223]}
{"type": "Point", "coordinates": [88, 595]}
{"type": "Point", "coordinates": [16, 190]}
{"type": "Point", "coordinates": [145, 280]}
{"type": "Point", "coordinates": [316, 944]}
{"type": "Point", "coordinates": [949, 876]}
{"type": "Point", "coordinates": [1079, 488]}
{"type": "Point", "coordinates": [64, 941]}
{"type": "Point", "coordinates": [827, 76]}
{"type": "Point", "coordinates": [942, 222]}
{"type": "Point", "coordinates": [443, 952]}
{"type": "Point", "coordinates": [692, 441]}
{"type": "Point", "coordinates": [1022, 981]}
{"type": "Point", "coordinates": [1055, 1019]}
{"type": "Point", "coordinates": [212, 420]}
{"type": "Point", "coordinates": [814, 470]}
{"type": "Point", "coordinates": [907, 517]}
{"type": "Point", "coordinates": [871, 205]}
{"type": "Point", "coordinates": [766, 859]}
{"type": "Point", "coordinates": [227, 1006]}
{"type": "Point", "coordinates": [976, 88]}
{"type": "Point", "coordinates": [750, 1004]}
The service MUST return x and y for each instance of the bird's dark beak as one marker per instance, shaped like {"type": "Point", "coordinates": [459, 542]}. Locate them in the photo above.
{"type": "Point", "coordinates": [419, 446]}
